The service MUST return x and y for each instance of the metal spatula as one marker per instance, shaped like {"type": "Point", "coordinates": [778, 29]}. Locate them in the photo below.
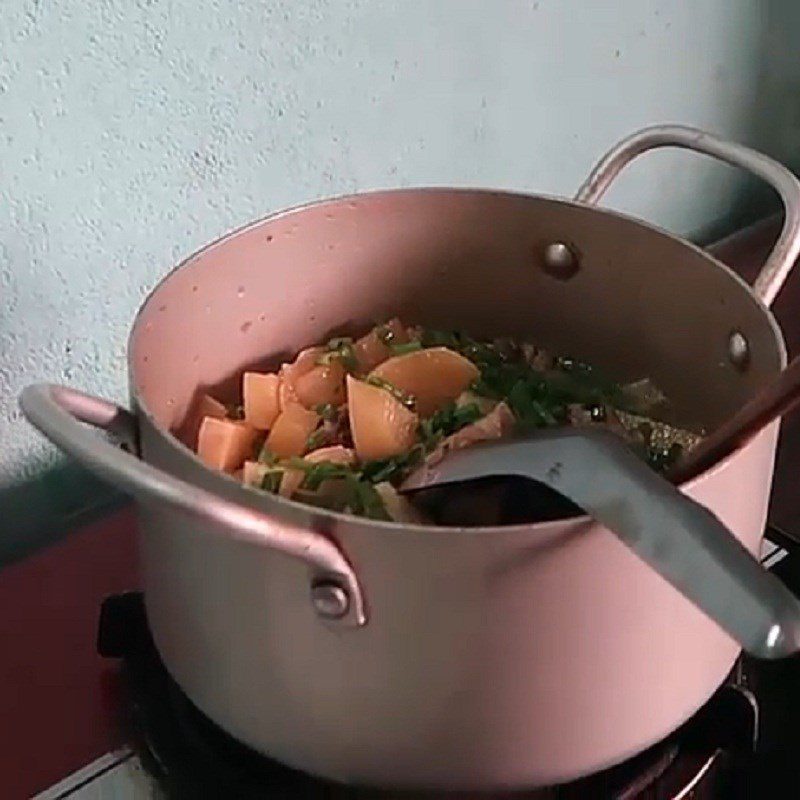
{"type": "Point", "coordinates": [680, 539]}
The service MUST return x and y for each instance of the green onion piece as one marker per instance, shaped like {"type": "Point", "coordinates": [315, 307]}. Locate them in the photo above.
{"type": "Point", "coordinates": [406, 399]}
{"type": "Point", "coordinates": [316, 439]}
{"type": "Point", "coordinates": [446, 421]}
{"type": "Point", "coordinates": [319, 471]}
{"type": "Point", "coordinates": [327, 411]}
{"type": "Point", "coordinates": [405, 347]}
{"type": "Point", "coordinates": [340, 349]}
{"type": "Point", "coordinates": [266, 457]}
{"type": "Point", "coordinates": [271, 481]}
{"type": "Point", "coordinates": [363, 499]}
{"type": "Point", "coordinates": [392, 469]}
{"type": "Point", "coordinates": [434, 338]}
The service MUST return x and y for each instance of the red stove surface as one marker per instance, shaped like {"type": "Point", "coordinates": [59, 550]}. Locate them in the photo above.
{"type": "Point", "coordinates": [58, 697]}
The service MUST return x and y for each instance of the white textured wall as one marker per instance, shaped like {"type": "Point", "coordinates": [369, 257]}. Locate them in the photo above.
{"type": "Point", "coordinates": [132, 131]}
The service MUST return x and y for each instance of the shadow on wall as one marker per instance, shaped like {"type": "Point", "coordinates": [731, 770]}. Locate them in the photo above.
{"type": "Point", "coordinates": [774, 120]}
{"type": "Point", "coordinates": [42, 510]}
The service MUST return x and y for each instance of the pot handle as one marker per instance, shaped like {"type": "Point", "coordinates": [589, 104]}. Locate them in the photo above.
{"type": "Point", "coordinates": [787, 248]}
{"type": "Point", "coordinates": [57, 412]}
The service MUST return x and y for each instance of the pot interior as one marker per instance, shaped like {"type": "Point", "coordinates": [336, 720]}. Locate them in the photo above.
{"type": "Point", "coordinates": [642, 302]}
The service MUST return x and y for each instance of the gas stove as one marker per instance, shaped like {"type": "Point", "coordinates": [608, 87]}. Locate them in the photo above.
{"type": "Point", "coordinates": [742, 744]}
{"type": "Point", "coordinates": [51, 681]}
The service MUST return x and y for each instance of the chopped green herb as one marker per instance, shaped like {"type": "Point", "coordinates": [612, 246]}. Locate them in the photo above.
{"type": "Point", "coordinates": [434, 338]}
{"type": "Point", "coordinates": [406, 399]}
{"type": "Point", "coordinates": [340, 349]}
{"type": "Point", "coordinates": [393, 469]}
{"type": "Point", "coordinates": [447, 421]}
{"type": "Point", "coordinates": [532, 406]}
{"type": "Point", "coordinates": [317, 472]}
{"type": "Point", "coordinates": [271, 481]}
{"type": "Point", "coordinates": [361, 496]}
{"type": "Point", "coordinates": [331, 502]}
{"type": "Point", "coordinates": [266, 457]}
{"type": "Point", "coordinates": [317, 439]}
{"type": "Point", "coordinates": [405, 347]}
{"type": "Point", "coordinates": [327, 411]}
{"type": "Point", "coordinates": [363, 499]}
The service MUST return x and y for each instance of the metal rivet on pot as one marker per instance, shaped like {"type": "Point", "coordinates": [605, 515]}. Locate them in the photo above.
{"type": "Point", "coordinates": [330, 600]}
{"type": "Point", "coordinates": [560, 260]}
{"type": "Point", "coordinates": [738, 350]}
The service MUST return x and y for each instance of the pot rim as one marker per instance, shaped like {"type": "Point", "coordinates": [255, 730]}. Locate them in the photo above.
{"type": "Point", "coordinates": [288, 509]}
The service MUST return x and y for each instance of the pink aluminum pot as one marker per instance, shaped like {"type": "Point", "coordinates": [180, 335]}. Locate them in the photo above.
{"type": "Point", "coordinates": [409, 656]}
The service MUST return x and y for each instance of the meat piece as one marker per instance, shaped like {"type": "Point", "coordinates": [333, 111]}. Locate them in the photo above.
{"type": "Point", "coordinates": [635, 429]}
{"type": "Point", "coordinates": [581, 416]}
{"type": "Point", "coordinates": [484, 404]}
{"type": "Point", "coordinates": [658, 435]}
{"type": "Point", "coordinates": [537, 358]}
{"type": "Point", "coordinates": [643, 395]}
{"type": "Point", "coordinates": [497, 423]}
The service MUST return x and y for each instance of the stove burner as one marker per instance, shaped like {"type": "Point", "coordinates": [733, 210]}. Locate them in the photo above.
{"type": "Point", "coordinates": [720, 753]}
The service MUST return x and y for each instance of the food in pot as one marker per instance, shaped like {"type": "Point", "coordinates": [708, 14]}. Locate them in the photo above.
{"type": "Point", "coordinates": [342, 425]}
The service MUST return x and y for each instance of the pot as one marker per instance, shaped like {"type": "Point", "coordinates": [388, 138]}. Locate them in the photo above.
{"type": "Point", "coordinates": [409, 656]}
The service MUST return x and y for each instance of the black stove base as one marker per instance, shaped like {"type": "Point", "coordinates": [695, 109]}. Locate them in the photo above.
{"type": "Point", "coordinates": [745, 743]}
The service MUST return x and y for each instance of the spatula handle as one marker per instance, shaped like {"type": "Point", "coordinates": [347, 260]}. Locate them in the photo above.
{"type": "Point", "coordinates": [679, 538]}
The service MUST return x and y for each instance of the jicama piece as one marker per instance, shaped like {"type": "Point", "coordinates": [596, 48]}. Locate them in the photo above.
{"type": "Point", "coordinates": [290, 373]}
{"type": "Point", "coordinates": [290, 431]}
{"type": "Point", "coordinates": [380, 424]}
{"type": "Point", "coordinates": [260, 396]}
{"type": "Point", "coordinates": [376, 346]}
{"type": "Point", "coordinates": [253, 472]}
{"type": "Point", "coordinates": [433, 377]}
{"type": "Point", "coordinates": [225, 443]}
{"type": "Point", "coordinates": [322, 385]}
